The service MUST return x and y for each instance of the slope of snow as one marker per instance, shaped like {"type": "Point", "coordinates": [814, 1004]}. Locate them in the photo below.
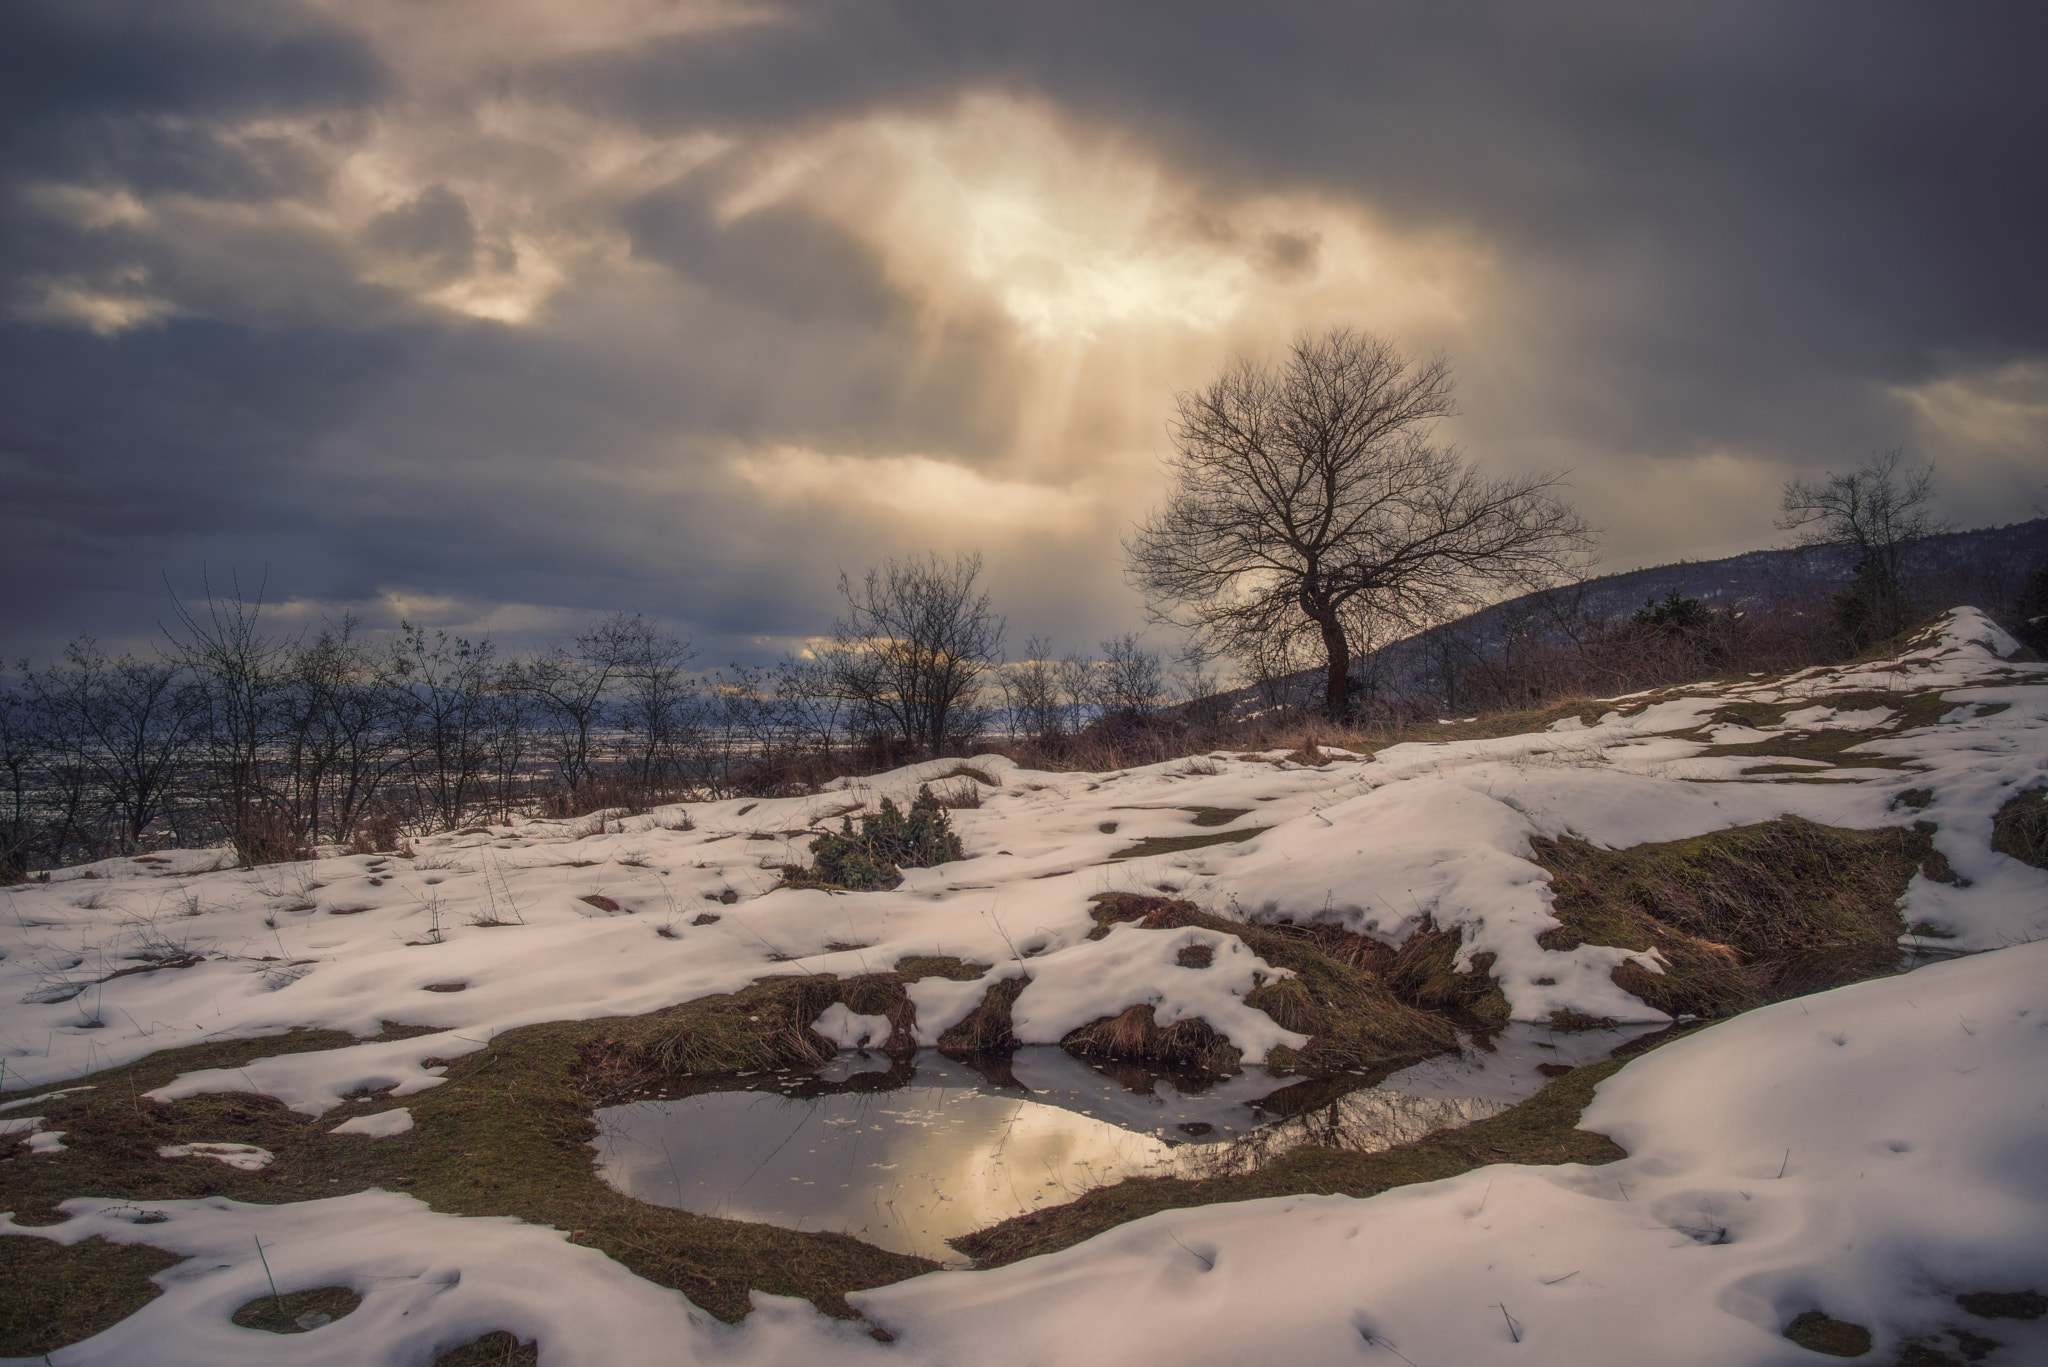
{"type": "Point", "coordinates": [1870, 1151]}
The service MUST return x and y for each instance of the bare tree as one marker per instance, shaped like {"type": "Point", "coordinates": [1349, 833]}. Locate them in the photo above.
{"type": "Point", "coordinates": [1878, 512]}
{"type": "Point", "coordinates": [243, 677]}
{"type": "Point", "coordinates": [344, 736]}
{"type": "Point", "coordinates": [1129, 682]}
{"type": "Point", "coordinates": [21, 753]}
{"type": "Point", "coordinates": [656, 699]}
{"type": "Point", "coordinates": [129, 725]}
{"type": "Point", "coordinates": [1307, 499]}
{"type": "Point", "coordinates": [909, 654]}
{"type": "Point", "coordinates": [573, 688]}
{"type": "Point", "coordinates": [1031, 691]}
{"type": "Point", "coordinates": [448, 699]}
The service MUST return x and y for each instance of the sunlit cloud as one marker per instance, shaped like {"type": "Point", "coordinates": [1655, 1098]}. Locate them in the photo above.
{"type": "Point", "coordinates": [102, 311]}
{"type": "Point", "coordinates": [918, 489]}
{"type": "Point", "coordinates": [681, 305]}
{"type": "Point", "coordinates": [1072, 233]}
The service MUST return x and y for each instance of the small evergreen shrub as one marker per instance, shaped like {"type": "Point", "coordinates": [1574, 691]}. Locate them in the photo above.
{"type": "Point", "coordinates": [888, 841]}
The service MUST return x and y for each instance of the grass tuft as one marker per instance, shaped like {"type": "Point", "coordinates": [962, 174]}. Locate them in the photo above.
{"type": "Point", "coordinates": [1338, 995]}
{"type": "Point", "coordinates": [1740, 917]}
{"type": "Point", "coordinates": [2020, 828]}
{"type": "Point", "coordinates": [284, 1314]}
{"type": "Point", "coordinates": [495, 1349]}
{"type": "Point", "coordinates": [1816, 1332]}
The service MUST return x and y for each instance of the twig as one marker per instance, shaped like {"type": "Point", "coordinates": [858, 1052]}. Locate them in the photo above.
{"type": "Point", "coordinates": [1377, 1342]}
{"type": "Point", "coordinates": [1514, 1329]}
{"type": "Point", "coordinates": [1784, 1165]}
{"type": "Point", "coordinates": [275, 1298]}
{"type": "Point", "coordinates": [1208, 1263]}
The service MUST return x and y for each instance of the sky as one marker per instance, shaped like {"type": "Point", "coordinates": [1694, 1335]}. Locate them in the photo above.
{"type": "Point", "coordinates": [497, 315]}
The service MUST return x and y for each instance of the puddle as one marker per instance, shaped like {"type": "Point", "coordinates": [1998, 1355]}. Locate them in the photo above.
{"type": "Point", "coordinates": [907, 1155]}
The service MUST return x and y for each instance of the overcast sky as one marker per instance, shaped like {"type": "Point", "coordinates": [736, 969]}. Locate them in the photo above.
{"type": "Point", "coordinates": [498, 314]}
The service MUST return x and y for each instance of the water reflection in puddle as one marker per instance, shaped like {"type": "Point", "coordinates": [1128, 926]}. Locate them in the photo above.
{"type": "Point", "coordinates": [948, 1148]}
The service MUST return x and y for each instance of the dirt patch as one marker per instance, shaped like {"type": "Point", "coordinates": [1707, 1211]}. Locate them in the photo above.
{"type": "Point", "coordinates": [1740, 917]}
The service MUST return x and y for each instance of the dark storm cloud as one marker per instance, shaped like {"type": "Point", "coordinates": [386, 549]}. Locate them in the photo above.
{"type": "Point", "coordinates": [1862, 184]}
{"type": "Point", "coordinates": [1713, 226]}
{"type": "Point", "coordinates": [80, 80]}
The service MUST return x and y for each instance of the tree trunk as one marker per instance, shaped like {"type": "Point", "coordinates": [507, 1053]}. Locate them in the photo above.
{"type": "Point", "coordinates": [1337, 689]}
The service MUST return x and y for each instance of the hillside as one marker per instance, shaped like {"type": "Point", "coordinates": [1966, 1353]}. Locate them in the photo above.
{"type": "Point", "coordinates": [1984, 567]}
{"type": "Point", "coordinates": [374, 1079]}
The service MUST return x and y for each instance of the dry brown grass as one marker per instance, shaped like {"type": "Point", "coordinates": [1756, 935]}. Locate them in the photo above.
{"type": "Point", "coordinates": [1740, 916]}
{"type": "Point", "coordinates": [1134, 1036]}
{"type": "Point", "coordinates": [2020, 828]}
{"type": "Point", "coordinates": [1338, 994]}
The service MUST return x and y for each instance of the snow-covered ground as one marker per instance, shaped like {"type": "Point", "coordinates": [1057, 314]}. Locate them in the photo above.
{"type": "Point", "coordinates": [1871, 1151]}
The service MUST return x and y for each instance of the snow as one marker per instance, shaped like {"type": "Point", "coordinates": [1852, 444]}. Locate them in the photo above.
{"type": "Point", "coordinates": [1141, 968]}
{"type": "Point", "coordinates": [381, 1125]}
{"type": "Point", "coordinates": [850, 1030]}
{"type": "Point", "coordinates": [246, 1157]}
{"type": "Point", "coordinates": [1871, 1151]}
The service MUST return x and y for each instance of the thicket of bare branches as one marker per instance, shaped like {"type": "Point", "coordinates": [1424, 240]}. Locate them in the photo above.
{"type": "Point", "coordinates": [274, 743]}
{"type": "Point", "coordinates": [909, 654]}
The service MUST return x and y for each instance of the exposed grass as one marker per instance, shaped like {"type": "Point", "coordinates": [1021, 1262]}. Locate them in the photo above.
{"type": "Point", "coordinates": [1175, 844]}
{"type": "Point", "coordinates": [1816, 1332]}
{"type": "Point", "coordinates": [1740, 916]}
{"type": "Point", "coordinates": [52, 1294]}
{"type": "Point", "coordinates": [281, 1314]}
{"type": "Point", "coordinates": [508, 1134]}
{"type": "Point", "coordinates": [1134, 1036]}
{"type": "Point", "coordinates": [495, 1349]}
{"type": "Point", "coordinates": [2020, 828]}
{"type": "Point", "coordinates": [1424, 972]}
{"type": "Point", "coordinates": [1912, 712]}
{"type": "Point", "coordinates": [1337, 996]}
{"type": "Point", "coordinates": [1216, 816]}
